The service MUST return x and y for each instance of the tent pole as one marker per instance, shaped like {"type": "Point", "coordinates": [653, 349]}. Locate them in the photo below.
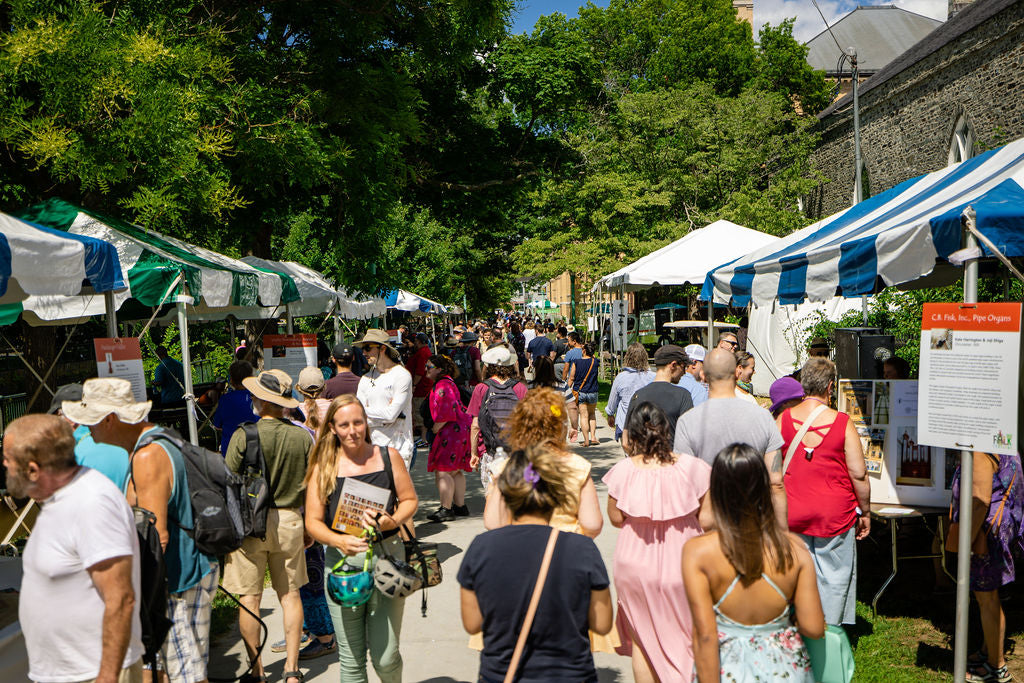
{"type": "Point", "coordinates": [963, 557]}
{"type": "Point", "coordinates": [599, 314]}
{"type": "Point", "coordinates": [711, 323]}
{"type": "Point", "coordinates": [108, 302]}
{"type": "Point", "coordinates": [289, 325]}
{"type": "Point", "coordinates": [337, 327]}
{"type": "Point", "coordinates": [186, 361]}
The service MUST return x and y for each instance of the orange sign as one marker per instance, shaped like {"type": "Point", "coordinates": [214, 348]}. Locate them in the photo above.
{"type": "Point", "coordinates": [121, 357]}
{"type": "Point", "coordinates": [1002, 317]}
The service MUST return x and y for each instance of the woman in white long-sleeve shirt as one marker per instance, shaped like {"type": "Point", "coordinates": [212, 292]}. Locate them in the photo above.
{"type": "Point", "coordinates": [386, 393]}
{"type": "Point", "coordinates": [635, 374]}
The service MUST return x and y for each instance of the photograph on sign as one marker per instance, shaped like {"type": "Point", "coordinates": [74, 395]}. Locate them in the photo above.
{"type": "Point", "coordinates": [882, 404]}
{"type": "Point", "coordinates": [970, 360]}
{"type": "Point", "coordinates": [855, 399]}
{"type": "Point", "coordinates": [915, 460]}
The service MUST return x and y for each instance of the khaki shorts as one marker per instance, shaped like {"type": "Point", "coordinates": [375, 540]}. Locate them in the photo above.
{"type": "Point", "coordinates": [283, 550]}
{"type": "Point", "coordinates": [417, 416]}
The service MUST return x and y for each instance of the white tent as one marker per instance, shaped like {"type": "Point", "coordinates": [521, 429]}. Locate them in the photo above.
{"type": "Point", "coordinates": [688, 259]}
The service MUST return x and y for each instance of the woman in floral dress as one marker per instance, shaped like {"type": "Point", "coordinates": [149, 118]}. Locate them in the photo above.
{"type": "Point", "coordinates": [742, 578]}
{"type": "Point", "coordinates": [449, 452]}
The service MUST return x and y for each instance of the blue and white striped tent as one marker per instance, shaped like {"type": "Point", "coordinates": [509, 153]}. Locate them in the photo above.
{"type": "Point", "coordinates": [401, 300]}
{"type": "Point", "coordinates": [894, 238]}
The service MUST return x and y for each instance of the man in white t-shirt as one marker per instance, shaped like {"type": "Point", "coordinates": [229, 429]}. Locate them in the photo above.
{"type": "Point", "coordinates": [386, 394]}
{"type": "Point", "coordinates": [78, 607]}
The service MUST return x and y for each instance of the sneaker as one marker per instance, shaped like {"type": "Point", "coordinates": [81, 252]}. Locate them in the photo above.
{"type": "Point", "coordinates": [280, 645]}
{"type": "Point", "coordinates": [461, 510]}
{"type": "Point", "coordinates": [442, 515]}
{"type": "Point", "coordinates": [318, 648]}
{"type": "Point", "coordinates": [420, 443]}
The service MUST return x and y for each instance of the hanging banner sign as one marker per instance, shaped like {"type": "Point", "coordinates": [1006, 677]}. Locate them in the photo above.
{"type": "Point", "coordinates": [970, 365]}
{"type": "Point", "coordinates": [289, 352]}
{"type": "Point", "coordinates": [122, 358]}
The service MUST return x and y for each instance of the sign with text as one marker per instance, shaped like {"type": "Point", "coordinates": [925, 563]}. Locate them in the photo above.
{"type": "Point", "coordinates": [289, 352]}
{"type": "Point", "coordinates": [970, 364]}
{"type": "Point", "coordinates": [620, 325]}
{"type": "Point", "coordinates": [121, 358]}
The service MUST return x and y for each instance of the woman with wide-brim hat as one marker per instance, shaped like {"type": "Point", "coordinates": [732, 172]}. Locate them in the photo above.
{"type": "Point", "coordinates": [386, 393]}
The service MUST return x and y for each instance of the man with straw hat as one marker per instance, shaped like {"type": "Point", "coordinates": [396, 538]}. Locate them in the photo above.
{"type": "Point", "coordinates": [285, 449]}
{"type": "Point", "coordinates": [386, 394]}
{"type": "Point", "coordinates": [157, 482]}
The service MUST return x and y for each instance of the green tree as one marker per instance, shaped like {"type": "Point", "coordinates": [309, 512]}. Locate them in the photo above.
{"type": "Point", "coordinates": [782, 67]}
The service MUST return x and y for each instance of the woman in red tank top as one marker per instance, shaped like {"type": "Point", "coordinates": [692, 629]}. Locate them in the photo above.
{"type": "Point", "coordinates": [827, 489]}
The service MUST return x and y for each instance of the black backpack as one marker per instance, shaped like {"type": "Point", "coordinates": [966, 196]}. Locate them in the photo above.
{"type": "Point", "coordinates": [153, 586]}
{"type": "Point", "coordinates": [499, 402]}
{"type": "Point", "coordinates": [226, 507]}
{"type": "Point", "coordinates": [464, 362]}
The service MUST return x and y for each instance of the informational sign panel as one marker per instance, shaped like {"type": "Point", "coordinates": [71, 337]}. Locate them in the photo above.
{"type": "Point", "coordinates": [620, 325]}
{"type": "Point", "coordinates": [289, 352]}
{"type": "Point", "coordinates": [121, 358]}
{"type": "Point", "coordinates": [970, 364]}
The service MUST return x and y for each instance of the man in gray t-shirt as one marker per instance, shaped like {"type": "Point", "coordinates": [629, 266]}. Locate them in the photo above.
{"type": "Point", "coordinates": [723, 420]}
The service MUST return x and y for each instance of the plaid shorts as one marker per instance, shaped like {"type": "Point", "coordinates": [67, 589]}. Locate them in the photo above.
{"type": "Point", "coordinates": [187, 647]}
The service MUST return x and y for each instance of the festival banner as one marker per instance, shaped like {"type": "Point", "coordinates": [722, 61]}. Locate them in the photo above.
{"type": "Point", "coordinates": [289, 352]}
{"type": "Point", "coordinates": [970, 368]}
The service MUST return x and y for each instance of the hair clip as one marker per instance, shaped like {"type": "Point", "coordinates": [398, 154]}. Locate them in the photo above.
{"type": "Point", "coordinates": [531, 475]}
{"type": "Point", "coordinates": [556, 411]}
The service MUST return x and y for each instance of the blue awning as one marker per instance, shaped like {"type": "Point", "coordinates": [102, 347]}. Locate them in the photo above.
{"type": "Point", "coordinates": [401, 300]}
{"type": "Point", "coordinates": [890, 239]}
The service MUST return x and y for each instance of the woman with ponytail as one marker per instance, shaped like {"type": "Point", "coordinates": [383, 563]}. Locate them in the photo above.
{"type": "Point", "coordinates": [659, 500]}
{"type": "Point", "coordinates": [743, 578]}
{"type": "Point", "coordinates": [500, 570]}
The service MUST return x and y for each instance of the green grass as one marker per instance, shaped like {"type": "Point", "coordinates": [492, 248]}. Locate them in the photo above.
{"type": "Point", "coordinates": [604, 387]}
{"type": "Point", "coordinates": [898, 649]}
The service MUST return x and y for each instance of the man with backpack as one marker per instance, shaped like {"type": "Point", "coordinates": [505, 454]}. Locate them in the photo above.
{"type": "Point", "coordinates": [284, 449]}
{"type": "Point", "coordinates": [493, 401]}
{"type": "Point", "coordinates": [467, 359]}
{"type": "Point", "coordinates": [158, 483]}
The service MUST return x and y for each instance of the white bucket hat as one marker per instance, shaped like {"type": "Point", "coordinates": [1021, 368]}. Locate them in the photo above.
{"type": "Point", "coordinates": [105, 395]}
{"type": "Point", "coordinates": [498, 355]}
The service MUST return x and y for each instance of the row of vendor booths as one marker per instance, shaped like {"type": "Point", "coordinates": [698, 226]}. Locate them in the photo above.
{"type": "Point", "coordinates": [963, 221]}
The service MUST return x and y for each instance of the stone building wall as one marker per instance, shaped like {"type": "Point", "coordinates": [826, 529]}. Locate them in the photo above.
{"type": "Point", "coordinates": [909, 117]}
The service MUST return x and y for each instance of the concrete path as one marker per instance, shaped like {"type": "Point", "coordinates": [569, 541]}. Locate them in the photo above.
{"type": "Point", "coordinates": [434, 648]}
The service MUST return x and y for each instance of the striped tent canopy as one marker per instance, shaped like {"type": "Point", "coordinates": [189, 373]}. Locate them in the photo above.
{"type": "Point", "coordinates": [401, 300]}
{"type": "Point", "coordinates": [37, 261]}
{"type": "Point", "coordinates": [318, 294]}
{"type": "Point", "coordinates": [152, 262]}
{"type": "Point", "coordinates": [895, 238]}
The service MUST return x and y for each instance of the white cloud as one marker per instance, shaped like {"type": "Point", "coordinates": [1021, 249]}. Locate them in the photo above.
{"type": "Point", "coordinates": [809, 24]}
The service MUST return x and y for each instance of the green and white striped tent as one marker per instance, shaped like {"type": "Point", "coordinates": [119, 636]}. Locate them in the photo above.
{"type": "Point", "coordinates": [158, 268]}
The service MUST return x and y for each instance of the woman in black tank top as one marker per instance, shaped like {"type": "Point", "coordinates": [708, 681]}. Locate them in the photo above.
{"type": "Point", "coordinates": [342, 452]}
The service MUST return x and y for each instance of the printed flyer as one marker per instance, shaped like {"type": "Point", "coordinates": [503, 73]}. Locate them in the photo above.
{"type": "Point", "coordinates": [289, 352]}
{"type": "Point", "coordinates": [970, 365]}
{"type": "Point", "coordinates": [121, 358]}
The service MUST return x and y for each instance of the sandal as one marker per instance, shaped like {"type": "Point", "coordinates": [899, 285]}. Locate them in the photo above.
{"type": "Point", "coordinates": [293, 674]}
{"type": "Point", "coordinates": [986, 672]}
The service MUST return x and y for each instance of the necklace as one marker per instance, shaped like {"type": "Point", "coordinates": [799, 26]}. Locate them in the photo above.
{"type": "Point", "coordinates": [815, 398]}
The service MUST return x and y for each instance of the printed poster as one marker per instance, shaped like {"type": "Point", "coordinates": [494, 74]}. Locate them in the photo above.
{"type": "Point", "coordinates": [356, 497]}
{"type": "Point", "coordinates": [289, 352]}
{"type": "Point", "coordinates": [121, 358]}
{"type": "Point", "coordinates": [970, 365]}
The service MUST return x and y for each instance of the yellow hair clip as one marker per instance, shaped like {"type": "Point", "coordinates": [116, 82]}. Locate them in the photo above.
{"type": "Point", "coordinates": [556, 411]}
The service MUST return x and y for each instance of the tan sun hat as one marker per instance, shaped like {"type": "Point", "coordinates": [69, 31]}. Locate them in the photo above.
{"type": "Point", "coordinates": [102, 396]}
{"type": "Point", "coordinates": [379, 337]}
{"type": "Point", "coordinates": [272, 386]}
{"type": "Point", "coordinates": [311, 381]}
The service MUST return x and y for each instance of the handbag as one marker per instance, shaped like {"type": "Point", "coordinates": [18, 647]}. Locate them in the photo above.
{"type": "Point", "coordinates": [831, 656]}
{"type": "Point", "coordinates": [531, 610]}
{"type": "Point", "coordinates": [420, 569]}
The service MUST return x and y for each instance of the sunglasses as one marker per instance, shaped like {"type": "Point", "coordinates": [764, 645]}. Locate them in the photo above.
{"type": "Point", "coordinates": [430, 367]}
{"type": "Point", "coordinates": [371, 347]}
{"type": "Point", "coordinates": [731, 343]}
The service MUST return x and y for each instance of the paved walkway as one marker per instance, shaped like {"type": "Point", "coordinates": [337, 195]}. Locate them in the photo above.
{"type": "Point", "coordinates": [434, 648]}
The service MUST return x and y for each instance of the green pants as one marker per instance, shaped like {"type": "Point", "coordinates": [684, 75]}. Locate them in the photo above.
{"type": "Point", "coordinates": [374, 626]}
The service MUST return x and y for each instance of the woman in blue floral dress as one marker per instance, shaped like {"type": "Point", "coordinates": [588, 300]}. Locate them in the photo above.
{"type": "Point", "coordinates": [449, 452]}
{"type": "Point", "coordinates": [995, 537]}
{"type": "Point", "coordinates": [748, 581]}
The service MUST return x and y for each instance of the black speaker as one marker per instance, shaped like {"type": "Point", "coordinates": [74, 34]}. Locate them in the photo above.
{"type": "Point", "coordinates": [862, 351]}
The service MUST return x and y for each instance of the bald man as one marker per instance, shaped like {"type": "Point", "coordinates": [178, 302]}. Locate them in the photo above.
{"type": "Point", "coordinates": [723, 420]}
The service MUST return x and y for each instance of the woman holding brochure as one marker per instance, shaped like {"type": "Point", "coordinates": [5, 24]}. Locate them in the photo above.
{"type": "Point", "coordinates": [343, 452]}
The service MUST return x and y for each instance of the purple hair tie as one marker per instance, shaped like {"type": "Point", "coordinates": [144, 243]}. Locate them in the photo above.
{"type": "Point", "coordinates": [531, 475]}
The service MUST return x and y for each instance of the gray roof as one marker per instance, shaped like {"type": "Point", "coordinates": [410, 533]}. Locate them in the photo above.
{"type": "Point", "coordinates": [974, 15]}
{"type": "Point", "coordinates": [880, 33]}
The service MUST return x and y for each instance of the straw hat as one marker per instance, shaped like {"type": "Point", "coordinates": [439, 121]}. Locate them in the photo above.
{"type": "Point", "coordinates": [380, 337]}
{"type": "Point", "coordinates": [272, 386]}
{"type": "Point", "coordinates": [101, 397]}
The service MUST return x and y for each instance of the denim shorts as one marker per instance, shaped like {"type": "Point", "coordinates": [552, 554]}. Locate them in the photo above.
{"type": "Point", "coordinates": [587, 397]}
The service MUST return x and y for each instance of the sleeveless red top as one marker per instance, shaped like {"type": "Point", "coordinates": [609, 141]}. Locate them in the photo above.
{"type": "Point", "coordinates": [819, 493]}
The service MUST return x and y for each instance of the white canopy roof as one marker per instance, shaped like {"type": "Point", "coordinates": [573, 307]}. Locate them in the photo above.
{"type": "Point", "coordinates": [689, 259]}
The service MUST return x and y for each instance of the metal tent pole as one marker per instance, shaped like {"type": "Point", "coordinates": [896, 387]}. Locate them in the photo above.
{"type": "Point", "coordinates": [711, 322]}
{"type": "Point", "coordinates": [108, 303]}
{"type": "Point", "coordinates": [186, 360]}
{"type": "Point", "coordinates": [289, 324]}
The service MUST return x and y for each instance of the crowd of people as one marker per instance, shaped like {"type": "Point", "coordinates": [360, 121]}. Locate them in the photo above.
{"type": "Point", "coordinates": [737, 521]}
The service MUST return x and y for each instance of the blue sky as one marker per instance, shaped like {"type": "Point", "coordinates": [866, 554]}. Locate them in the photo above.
{"type": "Point", "coordinates": [808, 23]}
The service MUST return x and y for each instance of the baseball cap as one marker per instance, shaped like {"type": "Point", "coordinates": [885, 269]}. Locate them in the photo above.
{"type": "Point", "coordinates": [342, 349]}
{"type": "Point", "coordinates": [68, 392]}
{"type": "Point", "coordinates": [422, 338]}
{"type": "Point", "coordinates": [668, 353]}
{"type": "Point", "coordinates": [695, 352]}
{"type": "Point", "coordinates": [310, 380]}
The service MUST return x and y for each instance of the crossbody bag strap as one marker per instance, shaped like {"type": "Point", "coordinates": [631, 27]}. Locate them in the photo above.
{"type": "Point", "coordinates": [997, 519]}
{"type": "Point", "coordinates": [798, 439]}
{"type": "Point", "coordinates": [531, 611]}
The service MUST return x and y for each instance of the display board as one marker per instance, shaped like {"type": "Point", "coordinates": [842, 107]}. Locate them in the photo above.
{"type": "Point", "coordinates": [121, 358]}
{"type": "Point", "coordinates": [970, 357]}
{"type": "Point", "coordinates": [901, 470]}
{"type": "Point", "coordinates": [289, 352]}
{"type": "Point", "coordinates": [620, 325]}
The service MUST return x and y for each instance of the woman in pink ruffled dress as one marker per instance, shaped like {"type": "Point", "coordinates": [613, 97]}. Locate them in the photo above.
{"type": "Point", "coordinates": [659, 500]}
